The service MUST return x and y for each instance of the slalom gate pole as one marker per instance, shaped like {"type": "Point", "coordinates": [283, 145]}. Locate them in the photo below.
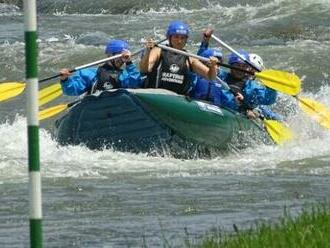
{"type": "Point", "coordinates": [31, 55]}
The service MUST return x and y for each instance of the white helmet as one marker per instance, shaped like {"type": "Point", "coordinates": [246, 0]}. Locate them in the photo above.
{"type": "Point", "coordinates": [257, 61]}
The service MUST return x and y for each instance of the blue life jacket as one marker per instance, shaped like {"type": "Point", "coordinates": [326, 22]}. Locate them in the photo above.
{"type": "Point", "coordinates": [213, 92]}
{"type": "Point", "coordinates": [203, 46]}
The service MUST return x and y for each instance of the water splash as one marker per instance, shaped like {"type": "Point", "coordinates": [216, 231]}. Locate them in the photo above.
{"type": "Point", "coordinates": [78, 161]}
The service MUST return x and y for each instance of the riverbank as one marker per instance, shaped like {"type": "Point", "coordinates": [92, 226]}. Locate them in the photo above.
{"type": "Point", "coordinates": [309, 230]}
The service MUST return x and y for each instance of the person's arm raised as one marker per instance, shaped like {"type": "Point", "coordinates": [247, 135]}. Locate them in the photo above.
{"type": "Point", "coordinates": [210, 72]}
{"type": "Point", "coordinates": [150, 56]}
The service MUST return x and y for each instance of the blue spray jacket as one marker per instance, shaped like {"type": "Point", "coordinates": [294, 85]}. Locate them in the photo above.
{"type": "Point", "coordinates": [204, 46]}
{"type": "Point", "coordinates": [254, 93]}
{"type": "Point", "coordinates": [83, 80]}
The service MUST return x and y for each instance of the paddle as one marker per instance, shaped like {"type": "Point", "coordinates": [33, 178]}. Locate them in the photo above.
{"type": "Point", "coordinates": [314, 109]}
{"type": "Point", "coordinates": [12, 89]}
{"type": "Point", "coordinates": [9, 90]}
{"type": "Point", "coordinates": [278, 80]}
{"type": "Point", "coordinates": [52, 111]}
{"type": "Point", "coordinates": [276, 130]}
{"type": "Point", "coordinates": [49, 93]}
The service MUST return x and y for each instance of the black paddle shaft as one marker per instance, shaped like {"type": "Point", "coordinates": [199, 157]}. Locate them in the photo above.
{"type": "Point", "coordinates": [52, 77]}
{"type": "Point", "coordinates": [236, 68]}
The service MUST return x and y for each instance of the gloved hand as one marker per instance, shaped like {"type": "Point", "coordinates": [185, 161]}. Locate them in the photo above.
{"type": "Point", "coordinates": [207, 34]}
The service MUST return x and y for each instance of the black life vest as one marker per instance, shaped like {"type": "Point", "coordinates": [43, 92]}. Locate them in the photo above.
{"type": "Point", "coordinates": [170, 72]}
{"type": "Point", "coordinates": [106, 78]}
{"type": "Point", "coordinates": [236, 86]}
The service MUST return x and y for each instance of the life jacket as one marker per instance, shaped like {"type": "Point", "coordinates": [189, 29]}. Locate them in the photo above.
{"type": "Point", "coordinates": [106, 78]}
{"type": "Point", "coordinates": [213, 92]}
{"type": "Point", "coordinates": [202, 89]}
{"type": "Point", "coordinates": [236, 86]}
{"type": "Point", "coordinates": [170, 72]}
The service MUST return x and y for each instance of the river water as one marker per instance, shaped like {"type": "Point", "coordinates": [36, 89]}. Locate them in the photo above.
{"type": "Point", "coordinates": [112, 199]}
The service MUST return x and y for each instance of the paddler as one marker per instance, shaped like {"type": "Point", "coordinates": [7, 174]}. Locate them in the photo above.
{"type": "Point", "coordinates": [172, 71]}
{"type": "Point", "coordinates": [247, 92]}
{"type": "Point", "coordinates": [117, 73]}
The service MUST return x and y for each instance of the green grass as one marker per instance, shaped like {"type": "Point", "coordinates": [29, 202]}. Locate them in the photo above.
{"type": "Point", "coordinates": [311, 229]}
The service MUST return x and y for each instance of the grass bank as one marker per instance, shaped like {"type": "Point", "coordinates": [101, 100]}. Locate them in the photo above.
{"type": "Point", "coordinates": [310, 229]}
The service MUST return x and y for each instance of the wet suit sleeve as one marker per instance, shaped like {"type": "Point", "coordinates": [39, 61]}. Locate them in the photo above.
{"type": "Point", "coordinates": [204, 45]}
{"type": "Point", "coordinates": [130, 77]}
{"type": "Point", "coordinates": [80, 82]}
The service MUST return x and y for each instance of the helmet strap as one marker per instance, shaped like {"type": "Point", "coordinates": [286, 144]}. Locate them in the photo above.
{"type": "Point", "coordinates": [169, 40]}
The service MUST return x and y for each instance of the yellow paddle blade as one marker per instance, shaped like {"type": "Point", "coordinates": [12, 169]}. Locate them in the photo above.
{"type": "Point", "coordinates": [278, 132]}
{"type": "Point", "coordinates": [49, 112]}
{"type": "Point", "coordinates": [282, 81]}
{"type": "Point", "coordinates": [10, 90]}
{"type": "Point", "coordinates": [316, 110]}
{"type": "Point", "coordinates": [49, 93]}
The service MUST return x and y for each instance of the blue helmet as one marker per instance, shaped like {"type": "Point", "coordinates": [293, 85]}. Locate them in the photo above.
{"type": "Point", "coordinates": [233, 58]}
{"type": "Point", "coordinates": [116, 46]}
{"type": "Point", "coordinates": [177, 27]}
{"type": "Point", "coordinates": [212, 53]}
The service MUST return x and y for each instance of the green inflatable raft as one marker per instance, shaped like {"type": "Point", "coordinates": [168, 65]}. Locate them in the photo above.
{"type": "Point", "coordinates": [156, 121]}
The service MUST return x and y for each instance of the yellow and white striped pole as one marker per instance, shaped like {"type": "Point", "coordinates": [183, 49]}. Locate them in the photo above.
{"type": "Point", "coordinates": [31, 55]}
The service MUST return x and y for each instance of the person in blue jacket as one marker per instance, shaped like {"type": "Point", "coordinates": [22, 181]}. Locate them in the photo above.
{"type": "Point", "coordinates": [248, 93]}
{"type": "Point", "coordinates": [117, 73]}
{"type": "Point", "coordinates": [212, 90]}
{"type": "Point", "coordinates": [263, 110]}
